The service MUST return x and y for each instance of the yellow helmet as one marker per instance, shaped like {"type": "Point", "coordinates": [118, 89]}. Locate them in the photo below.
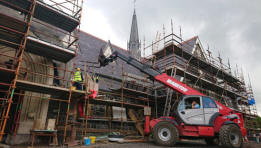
{"type": "Point", "coordinates": [78, 69]}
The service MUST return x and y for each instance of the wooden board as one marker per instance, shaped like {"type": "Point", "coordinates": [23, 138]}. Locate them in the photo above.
{"type": "Point", "coordinates": [133, 117]}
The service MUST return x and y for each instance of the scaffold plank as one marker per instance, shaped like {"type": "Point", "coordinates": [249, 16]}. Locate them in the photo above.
{"type": "Point", "coordinates": [41, 88]}
{"type": "Point", "coordinates": [197, 62]}
{"type": "Point", "coordinates": [46, 13]}
{"type": "Point", "coordinates": [11, 36]}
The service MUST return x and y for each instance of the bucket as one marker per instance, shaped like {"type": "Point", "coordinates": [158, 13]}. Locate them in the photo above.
{"type": "Point", "coordinates": [87, 141]}
{"type": "Point", "coordinates": [92, 139]}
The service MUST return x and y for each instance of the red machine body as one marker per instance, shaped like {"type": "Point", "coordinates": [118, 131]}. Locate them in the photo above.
{"type": "Point", "coordinates": [176, 85]}
{"type": "Point", "coordinates": [227, 116]}
{"type": "Point", "coordinates": [223, 122]}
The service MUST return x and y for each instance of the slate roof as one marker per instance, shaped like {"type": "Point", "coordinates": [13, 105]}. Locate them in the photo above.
{"type": "Point", "coordinates": [89, 51]}
{"type": "Point", "coordinates": [189, 44]}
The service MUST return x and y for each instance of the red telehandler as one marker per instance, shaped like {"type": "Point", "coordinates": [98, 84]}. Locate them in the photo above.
{"type": "Point", "coordinates": [196, 116]}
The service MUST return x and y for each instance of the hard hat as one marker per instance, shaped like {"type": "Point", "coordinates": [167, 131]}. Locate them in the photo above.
{"type": "Point", "coordinates": [78, 68]}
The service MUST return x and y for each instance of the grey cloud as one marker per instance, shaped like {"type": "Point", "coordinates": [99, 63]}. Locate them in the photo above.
{"type": "Point", "coordinates": [223, 20]}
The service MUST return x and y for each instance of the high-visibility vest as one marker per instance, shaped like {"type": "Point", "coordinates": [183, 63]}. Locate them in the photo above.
{"type": "Point", "coordinates": [96, 79]}
{"type": "Point", "coordinates": [77, 76]}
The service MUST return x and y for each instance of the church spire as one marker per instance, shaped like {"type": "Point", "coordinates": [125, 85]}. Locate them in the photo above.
{"type": "Point", "coordinates": [134, 42]}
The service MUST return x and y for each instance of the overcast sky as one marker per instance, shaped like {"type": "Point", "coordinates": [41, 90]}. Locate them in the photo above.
{"type": "Point", "coordinates": [232, 27]}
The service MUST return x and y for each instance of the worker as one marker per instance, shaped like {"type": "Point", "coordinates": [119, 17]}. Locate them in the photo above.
{"type": "Point", "coordinates": [195, 105]}
{"type": "Point", "coordinates": [96, 79]}
{"type": "Point", "coordinates": [78, 79]}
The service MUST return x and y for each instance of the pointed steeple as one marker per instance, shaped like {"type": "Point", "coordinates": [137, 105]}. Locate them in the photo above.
{"type": "Point", "coordinates": [134, 42]}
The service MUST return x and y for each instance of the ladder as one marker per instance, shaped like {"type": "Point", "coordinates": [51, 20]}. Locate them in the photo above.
{"type": "Point", "coordinates": [167, 107]}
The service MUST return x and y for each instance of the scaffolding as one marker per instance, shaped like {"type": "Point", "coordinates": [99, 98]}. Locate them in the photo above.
{"type": "Point", "coordinates": [198, 69]}
{"type": "Point", "coordinates": [128, 98]}
{"type": "Point", "coordinates": [122, 105]}
{"type": "Point", "coordinates": [188, 62]}
{"type": "Point", "coordinates": [32, 34]}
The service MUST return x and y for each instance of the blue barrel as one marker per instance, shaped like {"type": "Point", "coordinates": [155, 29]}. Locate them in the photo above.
{"type": "Point", "coordinates": [87, 141]}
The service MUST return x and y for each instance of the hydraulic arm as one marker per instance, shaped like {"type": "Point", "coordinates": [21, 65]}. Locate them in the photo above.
{"type": "Point", "coordinates": [152, 73]}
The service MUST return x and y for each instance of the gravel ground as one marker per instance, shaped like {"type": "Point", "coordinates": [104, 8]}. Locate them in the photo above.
{"type": "Point", "coordinates": [186, 144]}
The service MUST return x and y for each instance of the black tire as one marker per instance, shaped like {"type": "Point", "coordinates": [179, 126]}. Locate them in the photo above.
{"type": "Point", "coordinates": [230, 136]}
{"type": "Point", "coordinates": [165, 134]}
